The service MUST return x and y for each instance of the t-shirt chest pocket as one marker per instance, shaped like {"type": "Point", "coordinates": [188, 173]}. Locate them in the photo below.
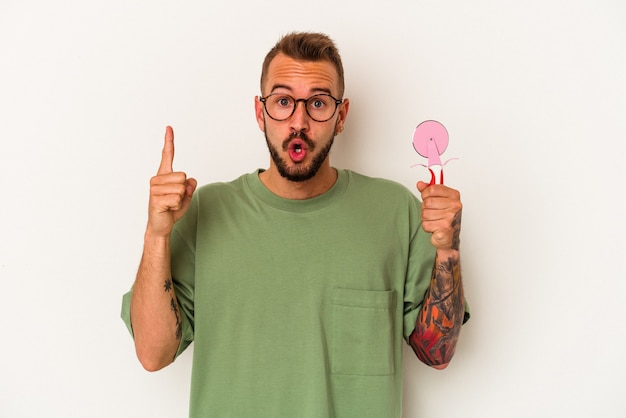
{"type": "Point", "coordinates": [363, 332]}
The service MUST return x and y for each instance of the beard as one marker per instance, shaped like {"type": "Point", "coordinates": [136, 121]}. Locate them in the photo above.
{"type": "Point", "coordinates": [301, 171]}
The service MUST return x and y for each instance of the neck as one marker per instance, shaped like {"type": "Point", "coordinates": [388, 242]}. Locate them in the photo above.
{"type": "Point", "coordinates": [319, 184]}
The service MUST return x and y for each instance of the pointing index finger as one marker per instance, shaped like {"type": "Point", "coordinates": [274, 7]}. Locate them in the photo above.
{"type": "Point", "coordinates": [167, 156]}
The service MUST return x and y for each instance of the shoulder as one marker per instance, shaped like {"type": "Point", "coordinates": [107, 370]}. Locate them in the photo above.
{"type": "Point", "coordinates": [215, 199]}
{"type": "Point", "coordinates": [380, 186]}
{"type": "Point", "coordinates": [210, 190]}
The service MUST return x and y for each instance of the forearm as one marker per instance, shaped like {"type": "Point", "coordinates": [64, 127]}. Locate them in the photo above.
{"type": "Point", "coordinates": [154, 311]}
{"type": "Point", "coordinates": [439, 322]}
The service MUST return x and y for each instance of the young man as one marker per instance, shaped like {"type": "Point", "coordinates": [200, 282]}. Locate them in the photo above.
{"type": "Point", "coordinates": [297, 283]}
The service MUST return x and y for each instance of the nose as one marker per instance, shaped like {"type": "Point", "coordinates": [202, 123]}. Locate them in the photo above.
{"type": "Point", "coordinates": [299, 120]}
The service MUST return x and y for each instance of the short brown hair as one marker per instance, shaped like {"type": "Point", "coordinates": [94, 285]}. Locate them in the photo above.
{"type": "Point", "coordinates": [306, 46]}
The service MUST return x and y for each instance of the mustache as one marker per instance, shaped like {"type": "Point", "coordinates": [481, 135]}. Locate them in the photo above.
{"type": "Point", "coordinates": [297, 134]}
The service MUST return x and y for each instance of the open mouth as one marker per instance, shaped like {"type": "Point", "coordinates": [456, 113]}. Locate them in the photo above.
{"type": "Point", "coordinates": [297, 150]}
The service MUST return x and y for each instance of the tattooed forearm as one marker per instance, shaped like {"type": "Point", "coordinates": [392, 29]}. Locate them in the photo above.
{"type": "Point", "coordinates": [439, 322]}
{"type": "Point", "coordinates": [168, 286]}
{"type": "Point", "coordinates": [456, 226]}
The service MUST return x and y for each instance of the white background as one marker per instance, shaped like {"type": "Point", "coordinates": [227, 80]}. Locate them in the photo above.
{"type": "Point", "coordinates": [533, 94]}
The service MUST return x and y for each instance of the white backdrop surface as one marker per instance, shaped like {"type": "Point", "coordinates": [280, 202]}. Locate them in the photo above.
{"type": "Point", "coordinates": [533, 94]}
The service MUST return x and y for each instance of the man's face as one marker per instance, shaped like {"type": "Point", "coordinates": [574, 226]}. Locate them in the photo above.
{"type": "Point", "coordinates": [299, 146]}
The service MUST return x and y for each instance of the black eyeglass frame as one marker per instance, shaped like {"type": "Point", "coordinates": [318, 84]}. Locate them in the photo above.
{"type": "Point", "coordinates": [295, 105]}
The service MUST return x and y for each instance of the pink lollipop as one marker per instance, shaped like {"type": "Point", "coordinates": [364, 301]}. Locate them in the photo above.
{"type": "Point", "coordinates": [430, 140]}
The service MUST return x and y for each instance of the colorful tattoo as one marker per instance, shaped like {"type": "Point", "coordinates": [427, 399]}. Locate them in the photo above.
{"type": "Point", "coordinates": [168, 286]}
{"type": "Point", "coordinates": [439, 322]}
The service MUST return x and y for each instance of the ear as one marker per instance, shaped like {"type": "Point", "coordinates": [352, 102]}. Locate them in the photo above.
{"type": "Point", "coordinates": [259, 113]}
{"type": "Point", "coordinates": [343, 115]}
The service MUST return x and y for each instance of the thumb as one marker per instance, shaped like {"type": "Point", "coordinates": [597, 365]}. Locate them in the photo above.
{"type": "Point", "coordinates": [421, 186]}
{"type": "Point", "coordinates": [190, 187]}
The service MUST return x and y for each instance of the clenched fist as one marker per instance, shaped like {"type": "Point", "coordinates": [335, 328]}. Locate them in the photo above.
{"type": "Point", "coordinates": [441, 214]}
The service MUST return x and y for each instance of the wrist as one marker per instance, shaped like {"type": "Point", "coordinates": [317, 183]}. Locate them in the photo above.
{"type": "Point", "coordinates": [447, 253]}
{"type": "Point", "coordinates": [154, 238]}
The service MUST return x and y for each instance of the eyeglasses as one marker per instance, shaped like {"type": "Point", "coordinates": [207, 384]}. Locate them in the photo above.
{"type": "Point", "coordinates": [320, 108]}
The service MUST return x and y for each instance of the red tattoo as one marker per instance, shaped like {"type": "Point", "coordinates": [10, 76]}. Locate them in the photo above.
{"type": "Point", "coordinates": [439, 322]}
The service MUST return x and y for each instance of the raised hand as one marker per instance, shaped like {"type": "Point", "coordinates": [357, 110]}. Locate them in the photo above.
{"type": "Point", "coordinates": [170, 192]}
{"type": "Point", "coordinates": [441, 214]}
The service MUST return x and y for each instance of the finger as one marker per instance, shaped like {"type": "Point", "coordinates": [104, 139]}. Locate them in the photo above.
{"type": "Point", "coordinates": [173, 197]}
{"type": "Point", "coordinates": [439, 190]}
{"type": "Point", "coordinates": [169, 188]}
{"type": "Point", "coordinates": [190, 188]}
{"type": "Point", "coordinates": [436, 216]}
{"type": "Point", "coordinates": [169, 202]}
{"type": "Point", "coordinates": [440, 203]}
{"type": "Point", "coordinates": [175, 177]}
{"type": "Point", "coordinates": [167, 156]}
